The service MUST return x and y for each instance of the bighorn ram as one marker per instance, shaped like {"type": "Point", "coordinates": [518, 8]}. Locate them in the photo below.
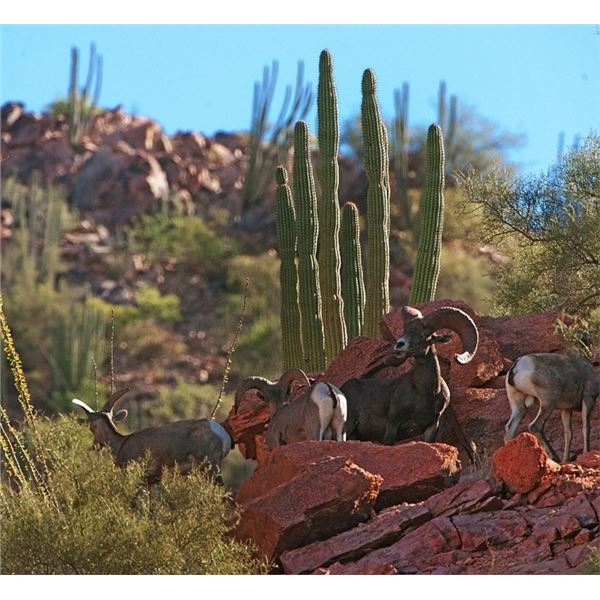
{"type": "Point", "coordinates": [182, 442]}
{"type": "Point", "coordinates": [556, 381]}
{"type": "Point", "coordinates": [319, 413]}
{"type": "Point", "coordinates": [389, 410]}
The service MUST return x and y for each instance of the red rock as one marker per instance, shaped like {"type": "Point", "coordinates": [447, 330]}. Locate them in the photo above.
{"type": "Point", "coordinates": [524, 334]}
{"type": "Point", "coordinates": [465, 497]}
{"type": "Point", "coordinates": [382, 530]}
{"type": "Point", "coordinates": [322, 500]}
{"type": "Point", "coordinates": [521, 463]}
{"type": "Point", "coordinates": [247, 423]}
{"type": "Point", "coordinates": [483, 531]}
{"type": "Point", "coordinates": [414, 549]}
{"type": "Point", "coordinates": [589, 459]}
{"type": "Point", "coordinates": [410, 472]}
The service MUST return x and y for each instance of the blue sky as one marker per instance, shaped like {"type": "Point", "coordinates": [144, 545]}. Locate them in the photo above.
{"type": "Point", "coordinates": [536, 80]}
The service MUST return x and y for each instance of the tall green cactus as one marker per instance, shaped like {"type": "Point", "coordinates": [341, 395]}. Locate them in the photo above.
{"type": "Point", "coordinates": [329, 211]}
{"type": "Point", "coordinates": [378, 206]}
{"type": "Point", "coordinates": [288, 275]}
{"type": "Point", "coordinates": [353, 287]}
{"type": "Point", "coordinates": [427, 265]}
{"type": "Point", "coordinates": [313, 343]}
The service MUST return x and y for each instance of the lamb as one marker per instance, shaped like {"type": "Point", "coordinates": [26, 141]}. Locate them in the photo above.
{"type": "Point", "coordinates": [319, 412]}
{"type": "Point", "coordinates": [390, 410]}
{"type": "Point", "coordinates": [182, 443]}
{"type": "Point", "coordinates": [556, 381]}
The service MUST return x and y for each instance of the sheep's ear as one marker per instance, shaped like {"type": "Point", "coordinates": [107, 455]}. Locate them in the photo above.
{"type": "Point", "coordinates": [119, 416]}
{"type": "Point", "coordinates": [440, 339]}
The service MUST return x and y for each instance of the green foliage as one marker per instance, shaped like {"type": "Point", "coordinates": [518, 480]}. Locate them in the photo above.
{"type": "Point", "coordinates": [271, 142]}
{"type": "Point", "coordinates": [82, 101]}
{"type": "Point", "coordinates": [307, 227]}
{"type": "Point", "coordinates": [152, 304]}
{"type": "Point", "coordinates": [188, 240]}
{"type": "Point", "coordinates": [549, 226]}
{"type": "Point", "coordinates": [592, 564]}
{"type": "Point", "coordinates": [427, 264]}
{"type": "Point", "coordinates": [329, 211]}
{"type": "Point", "coordinates": [288, 273]}
{"type": "Point", "coordinates": [256, 350]}
{"type": "Point", "coordinates": [103, 520]}
{"type": "Point", "coordinates": [378, 203]}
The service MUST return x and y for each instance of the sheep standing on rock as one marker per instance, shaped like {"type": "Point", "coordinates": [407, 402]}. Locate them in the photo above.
{"type": "Point", "coordinates": [390, 410]}
{"type": "Point", "coordinates": [555, 381]}
{"type": "Point", "coordinates": [318, 413]}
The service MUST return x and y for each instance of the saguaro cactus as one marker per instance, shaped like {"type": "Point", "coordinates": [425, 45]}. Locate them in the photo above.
{"type": "Point", "coordinates": [288, 275]}
{"type": "Point", "coordinates": [328, 209]}
{"type": "Point", "coordinates": [427, 265]}
{"type": "Point", "coordinates": [313, 344]}
{"type": "Point", "coordinates": [378, 206]}
{"type": "Point", "coordinates": [353, 287]}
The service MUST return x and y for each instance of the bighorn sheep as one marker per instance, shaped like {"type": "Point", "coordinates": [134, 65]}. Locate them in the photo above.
{"type": "Point", "coordinates": [318, 413]}
{"type": "Point", "coordinates": [390, 410]}
{"type": "Point", "coordinates": [556, 381]}
{"type": "Point", "coordinates": [183, 442]}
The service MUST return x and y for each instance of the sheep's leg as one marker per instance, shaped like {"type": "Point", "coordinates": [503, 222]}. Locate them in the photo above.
{"type": "Point", "coordinates": [586, 409]}
{"type": "Point", "coordinates": [517, 412]}
{"type": "Point", "coordinates": [568, 431]}
{"type": "Point", "coordinates": [537, 426]}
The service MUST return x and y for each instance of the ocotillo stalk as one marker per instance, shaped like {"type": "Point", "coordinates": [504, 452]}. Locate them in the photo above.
{"type": "Point", "coordinates": [378, 207]}
{"type": "Point", "coordinates": [313, 344]}
{"type": "Point", "coordinates": [288, 275]}
{"type": "Point", "coordinates": [427, 266]}
{"type": "Point", "coordinates": [353, 287]}
{"type": "Point", "coordinates": [329, 212]}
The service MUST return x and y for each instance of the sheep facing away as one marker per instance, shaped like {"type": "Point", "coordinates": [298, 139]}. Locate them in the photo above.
{"type": "Point", "coordinates": [318, 413]}
{"type": "Point", "coordinates": [181, 443]}
{"type": "Point", "coordinates": [390, 410]}
{"type": "Point", "coordinates": [555, 381]}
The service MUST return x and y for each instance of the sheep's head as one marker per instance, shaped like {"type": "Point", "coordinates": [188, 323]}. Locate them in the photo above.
{"type": "Point", "coordinates": [104, 418]}
{"type": "Point", "coordinates": [274, 393]}
{"type": "Point", "coordinates": [420, 335]}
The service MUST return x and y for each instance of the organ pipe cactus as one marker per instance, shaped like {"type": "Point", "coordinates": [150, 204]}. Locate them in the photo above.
{"type": "Point", "coordinates": [313, 343]}
{"type": "Point", "coordinates": [288, 275]}
{"type": "Point", "coordinates": [328, 210]}
{"type": "Point", "coordinates": [427, 265]}
{"type": "Point", "coordinates": [378, 206]}
{"type": "Point", "coordinates": [353, 287]}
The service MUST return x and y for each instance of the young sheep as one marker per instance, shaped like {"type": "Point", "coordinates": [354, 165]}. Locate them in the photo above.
{"type": "Point", "coordinates": [390, 410]}
{"type": "Point", "coordinates": [318, 413]}
{"type": "Point", "coordinates": [556, 381]}
{"type": "Point", "coordinates": [182, 443]}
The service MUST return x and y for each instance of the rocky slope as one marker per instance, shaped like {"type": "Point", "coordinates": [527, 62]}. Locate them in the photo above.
{"type": "Point", "coordinates": [358, 507]}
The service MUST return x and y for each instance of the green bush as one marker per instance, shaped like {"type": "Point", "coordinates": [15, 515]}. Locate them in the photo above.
{"type": "Point", "coordinates": [102, 520]}
{"type": "Point", "coordinates": [188, 240]}
{"type": "Point", "coordinates": [592, 564]}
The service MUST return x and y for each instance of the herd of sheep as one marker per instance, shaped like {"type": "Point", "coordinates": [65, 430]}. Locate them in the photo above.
{"type": "Point", "coordinates": [377, 410]}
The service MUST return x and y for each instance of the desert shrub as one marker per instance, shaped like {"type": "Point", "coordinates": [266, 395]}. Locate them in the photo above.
{"type": "Point", "coordinates": [592, 564]}
{"type": "Point", "coordinates": [262, 330]}
{"type": "Point", "coordinates": [102, 520]}
{"type": "Point", "coordinates": [188, 240]}
{"type": "Point", "coordinates": [549, 226]}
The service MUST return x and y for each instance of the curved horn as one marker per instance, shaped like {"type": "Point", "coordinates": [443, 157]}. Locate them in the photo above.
{"type": "Point", "coordinates": [251, 383]}
{"type": "Point", "coordinates": [460, 322]}
{"type": "Point", "coordinates": [83, 405]}
{"type": "Point", "coordinates": [291, 375]}
{"type": "Point", "coordinates": [110, 403]}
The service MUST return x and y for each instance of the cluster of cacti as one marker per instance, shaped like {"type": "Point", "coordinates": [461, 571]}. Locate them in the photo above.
{"type": "Point", "coordinates": [81, 102]}
{"type": "Point", "coordinates": [77, 342]}
{"type": "Point", "coordinates": [427, 264]}
{"type": "Point", "coordinates": [270, 143]}
{"type": "Point", "coordinates": [333, 305]}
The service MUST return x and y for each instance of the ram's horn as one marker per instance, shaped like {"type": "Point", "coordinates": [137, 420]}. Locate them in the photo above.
{"type": "Point", "coordinates": [461, 323]}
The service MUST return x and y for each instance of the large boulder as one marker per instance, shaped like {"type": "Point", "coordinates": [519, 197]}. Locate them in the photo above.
{"type": "Point", "coordinates": [410, 472]}
{"type": "Point", "coordinates": [320, 500]}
